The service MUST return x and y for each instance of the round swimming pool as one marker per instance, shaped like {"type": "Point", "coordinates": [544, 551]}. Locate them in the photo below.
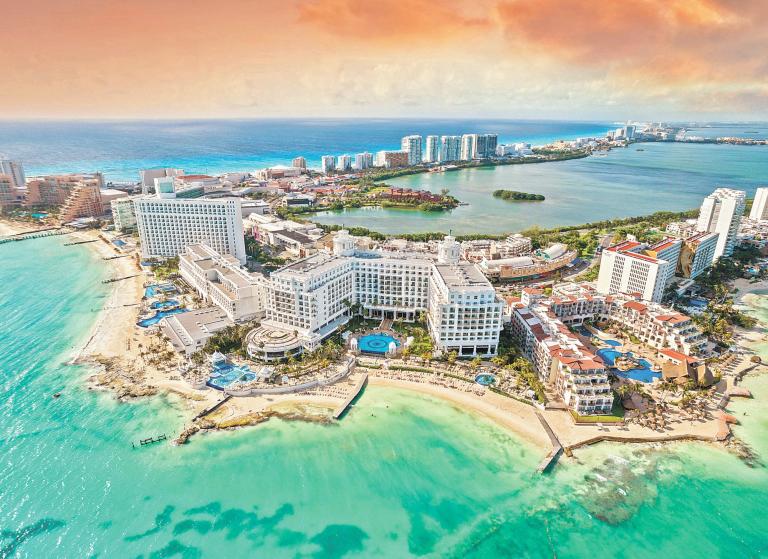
{"type": "Point", "coordinates": [376, 343]}
{"type": "Point", "coordinates": [642, 373]}
{"type": "Point", "coordinates": [485, 379]}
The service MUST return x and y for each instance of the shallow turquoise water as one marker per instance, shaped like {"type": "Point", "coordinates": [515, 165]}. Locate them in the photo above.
{"type": "Point", "coordinates": [626, 182]}
{"type": "Point", "coordinates": [402, 475]}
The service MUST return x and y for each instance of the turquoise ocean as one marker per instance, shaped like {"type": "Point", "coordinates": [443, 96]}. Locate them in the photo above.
{"type": "Point", "coordinates": [403, 475]}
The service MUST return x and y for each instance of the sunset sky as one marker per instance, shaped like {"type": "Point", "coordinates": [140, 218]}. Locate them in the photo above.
{"type": "Point", "coordinates": [580, 59]}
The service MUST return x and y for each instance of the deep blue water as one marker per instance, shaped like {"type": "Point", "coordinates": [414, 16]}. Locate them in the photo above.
{"type": "Point", "coordinates": [121, 148]}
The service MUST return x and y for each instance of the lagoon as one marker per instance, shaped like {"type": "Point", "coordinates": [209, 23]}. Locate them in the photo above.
{"type": "Point", "coordinates": [623, 183]}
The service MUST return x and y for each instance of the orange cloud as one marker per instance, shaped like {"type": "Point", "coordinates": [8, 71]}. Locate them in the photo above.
{"type": "Point", "coordinates": [423, 21]}
{"type": "Point", "coordinates": [678, 40]}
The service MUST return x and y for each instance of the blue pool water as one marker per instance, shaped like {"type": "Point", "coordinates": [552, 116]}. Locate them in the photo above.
{"type": "Point", "coordinates": [39, 215]}
{"type": "Point", "coordinates": [224, 375]}
{"type": "Point", "coordinates": [640, 374]}
{"type": "Point", "coordinates": [170, 303]}
{"type": "Point", "coordinates": [118, 243]}
{"type": "Point", "coordinates": [614, 343]}
{"type": "Point", "coordinates": [485, 379]}
{"type": "Point", "coordinates": [376, 343]}
{"type": "Point", "coordinates": [159, 289]}
{"type": "Point", "coordinates": [158, 316]}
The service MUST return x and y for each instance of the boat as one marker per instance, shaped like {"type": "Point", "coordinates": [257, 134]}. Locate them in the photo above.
{"type": "Point", "coordinates": [57, 395]}
{"type": "Point", "coordinates": [639, 149]}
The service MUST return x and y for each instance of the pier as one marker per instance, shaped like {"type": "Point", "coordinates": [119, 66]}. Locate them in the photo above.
{"type": "Point", "coordinates": [34, 235]}
{"type": "Point", "coordinates": [557, 448]}
{"type": "Point", "coordinates": [113, 280]}
{"type": "Point", "coordinates": [213, 408]}
{"type": "Point", "coordinates": [150, 440]}
{"type": "Point", "coordinates": [80, 242]}
{"type": "Point", "coordinates": [341, 410]}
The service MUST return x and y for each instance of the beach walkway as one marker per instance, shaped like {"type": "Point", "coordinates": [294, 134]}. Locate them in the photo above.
{"type": "Point", "coordinates": [345, 405]}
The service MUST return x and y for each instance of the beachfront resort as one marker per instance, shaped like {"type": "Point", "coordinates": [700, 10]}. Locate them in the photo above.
{"type": "Point", "coordinates": [241, 297]}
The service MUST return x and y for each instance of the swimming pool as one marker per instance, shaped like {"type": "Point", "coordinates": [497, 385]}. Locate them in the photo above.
{"type": "Point", "coordinates": [485, 379]}
{"type": "Point", "coordinates": [119, 243]}
{"type": "Point", "coordinates": [227, 374]}
{"type": "Point", "coordinates": [158, 316]}
{"type": "Point", "coordinates": [376, 343]}
{"type": "Point", "coordinates": [160, 289]}
{"type": "Point", "coordinates": [169, 304]}
{"type": "Point", "coordinates": [643, 373]}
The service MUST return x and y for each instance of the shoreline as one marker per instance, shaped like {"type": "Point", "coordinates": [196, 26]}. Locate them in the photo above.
{"type": "Point", "coordinates": [116, 364]}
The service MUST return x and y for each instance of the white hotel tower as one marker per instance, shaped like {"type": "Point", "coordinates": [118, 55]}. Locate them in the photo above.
{"type": "Point", "coordinates": [721, 213]}
{"type": "Point", "coordinates": [167, 224]}
{"type": "Point", "coordinates": [311, 298]}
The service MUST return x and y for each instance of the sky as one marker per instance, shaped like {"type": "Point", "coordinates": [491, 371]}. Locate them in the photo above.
{"type": "Point", "coordinates": [574, 59]}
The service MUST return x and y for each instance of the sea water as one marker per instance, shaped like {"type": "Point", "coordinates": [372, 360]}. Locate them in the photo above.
{"type": "Point", "coordinates": [402, 475]}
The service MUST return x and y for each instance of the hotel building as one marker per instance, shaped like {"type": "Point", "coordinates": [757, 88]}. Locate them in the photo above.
{"type": "Point", "coordinates": [167, 224]}
{"type": "Point", "coordinates": [561, 360]}
{"type": "Point", "coordinates": [123, 215]}
{"type": "Point", "coordinates": [15, 170]}
{"type": "Point", "coordinates": [412, 145]}
{"type": "Point", "coordinates": [759, 211]}
{"type": "Point", "coordinates": [220, 280]}
{"type": "Point", "coordinates": [450, 148]}
{"type": "Point", "coordinates": [633, 267]}
{"type": "Point", "coordinates": [84, 200]}
{"type": "Point", "coordinates": [432, 150]}
{"type": "Point", "coordinates": [697, 254]}
{"type": "Point", "coordinates": [299, 163]}
{"type": "Point", "coordinates": [308, 300]}
{"type": "Point", "coordinates": [10, 196]}
{"type": "Point", "coordinates": [53, 190]}
{"type": "Point", "coordinates": [721, 213]}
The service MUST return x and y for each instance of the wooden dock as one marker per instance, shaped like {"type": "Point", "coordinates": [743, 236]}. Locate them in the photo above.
{"type": "Point", "coordinates": [113, 280]}
{"type": "Point", "coordinates": [557, 448]}
{"type": "Point", "coordinates": [341, 410]}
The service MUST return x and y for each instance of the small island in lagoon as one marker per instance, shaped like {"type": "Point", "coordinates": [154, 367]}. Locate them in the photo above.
{"type": "Point", "coordinates": [517, 196]}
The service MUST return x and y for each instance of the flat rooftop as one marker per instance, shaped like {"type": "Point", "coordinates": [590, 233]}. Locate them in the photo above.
{"type": "Point", "coordinates": [463, 275]}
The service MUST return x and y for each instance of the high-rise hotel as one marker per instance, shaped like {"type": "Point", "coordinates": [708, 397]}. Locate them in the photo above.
{"type": "Point", "coordinates": [168, 224]}
{"type": "Point", "coordinates": [721, 213]}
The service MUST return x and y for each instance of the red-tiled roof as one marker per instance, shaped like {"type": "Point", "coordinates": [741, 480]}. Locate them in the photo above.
{"type": "Point", "coordinates": [635, 306]}
{"type": "Point", "coordinates": [677, 356]}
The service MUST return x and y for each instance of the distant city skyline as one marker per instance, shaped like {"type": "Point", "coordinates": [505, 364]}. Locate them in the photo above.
{"type": "Point", "coordinates": [650, 60]}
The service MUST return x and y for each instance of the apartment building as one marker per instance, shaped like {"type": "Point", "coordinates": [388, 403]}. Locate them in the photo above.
{"type": "Point", "coordinates": [167, 224]}
{"type": "Point", "coordinates": [432, 149]}
{"type": "Point", "coordinates": [412, 145]}
{"type": "Point", "coordinates": [15, 171]}
{"type": "Point", "coordinates": [450, 148]}
{"type": "Point", "coordinates": [220, 280]}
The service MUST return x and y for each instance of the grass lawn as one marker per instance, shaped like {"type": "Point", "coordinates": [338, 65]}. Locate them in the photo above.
{"type": "Point", "coordinates": [616, 416]}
